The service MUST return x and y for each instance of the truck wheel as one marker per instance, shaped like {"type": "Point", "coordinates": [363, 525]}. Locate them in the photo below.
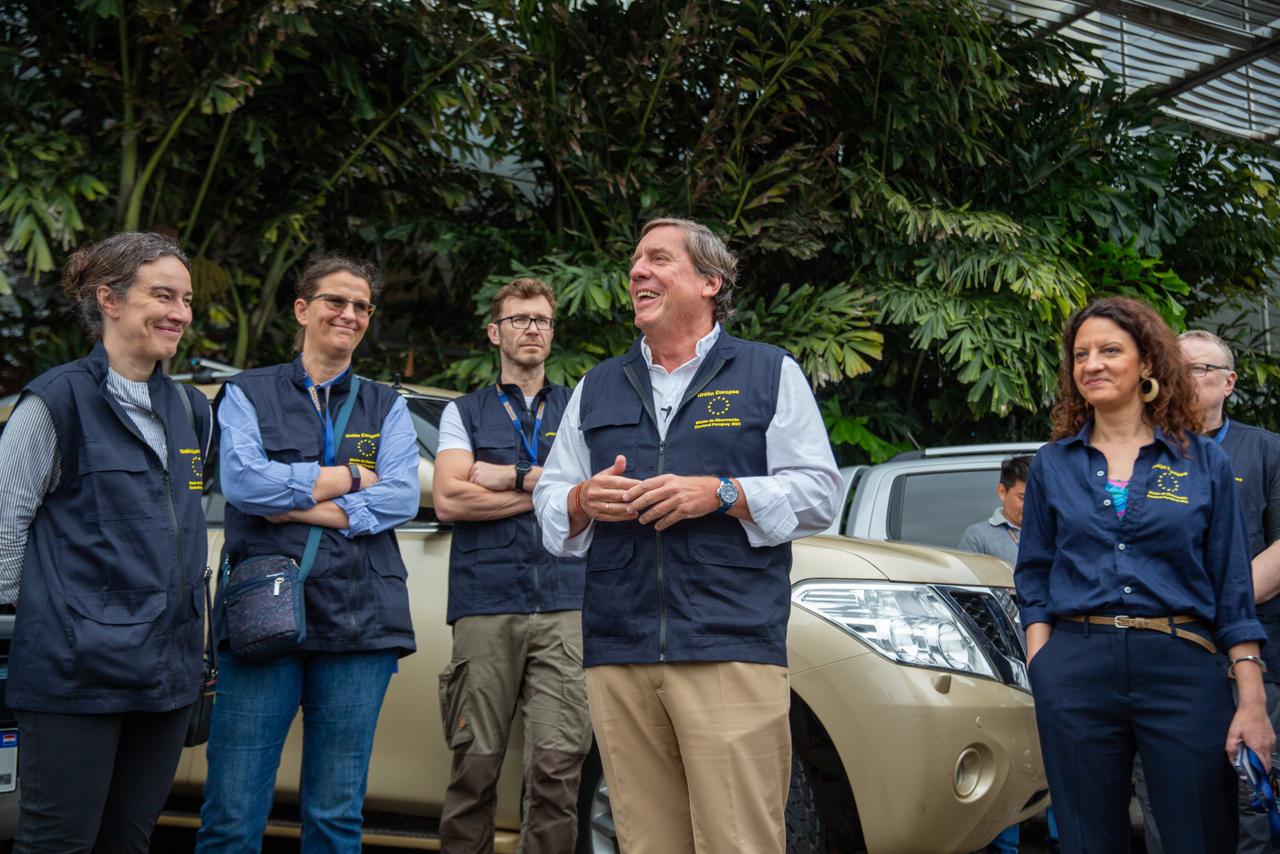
{"type": "Point", "coordinates": [805, 831]}
{"type": "Point", "coordinates": [596, 834]}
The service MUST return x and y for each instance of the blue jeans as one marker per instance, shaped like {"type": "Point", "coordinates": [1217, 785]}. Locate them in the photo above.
{"type": "Point", "coordinates": [341, 696]}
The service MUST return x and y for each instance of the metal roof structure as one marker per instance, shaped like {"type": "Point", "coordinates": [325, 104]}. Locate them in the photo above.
{"type": "Point", "coordinates": [1218, 60]}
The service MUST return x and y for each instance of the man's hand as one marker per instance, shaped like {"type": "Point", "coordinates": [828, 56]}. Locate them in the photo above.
{"type": "Point", "coordinates": [604, 496]}
{"type": "Point", "coordinates": [666, 499]}
{"type": "Point", "coordinates": [494, 477]}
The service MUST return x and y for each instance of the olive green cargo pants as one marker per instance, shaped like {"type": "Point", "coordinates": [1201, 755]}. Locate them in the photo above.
{"type": "Point", "coordinates": [499, 661]}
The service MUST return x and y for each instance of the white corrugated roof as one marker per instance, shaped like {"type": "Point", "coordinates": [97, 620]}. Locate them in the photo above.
{"type": "Point", "coordinates": [1218, 60]}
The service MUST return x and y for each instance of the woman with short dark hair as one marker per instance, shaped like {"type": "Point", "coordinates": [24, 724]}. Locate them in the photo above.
{"type": "Point", "coordinates": [286, 465]}
{"type": "Point", "coordinates": [1133, 577]}
{"type": "Point", "coordinates": [102, 546]}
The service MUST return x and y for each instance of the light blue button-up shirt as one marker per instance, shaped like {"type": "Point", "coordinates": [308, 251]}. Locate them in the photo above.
{"type": "Point", "coordinates": [260, 486]}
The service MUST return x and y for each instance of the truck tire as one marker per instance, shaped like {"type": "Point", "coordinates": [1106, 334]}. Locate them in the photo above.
{"type": "Point", "coordinates": [805, 831]}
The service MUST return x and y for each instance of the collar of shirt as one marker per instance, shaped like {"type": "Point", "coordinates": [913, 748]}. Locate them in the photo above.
{"type": "Point", "coordinates": [1087, 429]}
{"type": "Point", "coordinates": [998, 518]}
{"type": "Point", "coordinates": [669, 387]}
{"type": "Point", "coordinates": [704, 345]}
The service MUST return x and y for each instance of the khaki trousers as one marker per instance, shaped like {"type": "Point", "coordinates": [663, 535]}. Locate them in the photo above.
{"type": "Point", "coordinates": [498, 661]}
{"type": "Point", "coordinates": [697, 755]}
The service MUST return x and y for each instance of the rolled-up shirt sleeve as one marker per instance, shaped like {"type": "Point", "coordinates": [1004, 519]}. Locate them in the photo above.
{"type": "Point", "coordinates": [1226, 558]}
{"type": "Point", "coordinates": [568, 464]}
{"type": "Point", "coordinates": [1035, 551]}
{"type": "Point", "coordinates": [394, 498]}
{"type": "Point", "coordinates": [250, 481]}
{"type": "Point", "coordinates": [803, 490]}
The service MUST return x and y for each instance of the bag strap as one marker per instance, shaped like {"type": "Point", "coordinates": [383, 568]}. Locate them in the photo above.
{"type": "Point", "coordinates": [211, 647]}
{"type": "Point", "coordinates": [339, 427]}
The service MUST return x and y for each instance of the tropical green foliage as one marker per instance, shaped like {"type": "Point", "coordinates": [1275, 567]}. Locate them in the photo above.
{"type": "Point", "coordinates": [919, 195]}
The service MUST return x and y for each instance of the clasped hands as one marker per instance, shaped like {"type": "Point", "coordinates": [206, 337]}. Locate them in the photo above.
{"type": "Point", "coordinates": [660, 501]}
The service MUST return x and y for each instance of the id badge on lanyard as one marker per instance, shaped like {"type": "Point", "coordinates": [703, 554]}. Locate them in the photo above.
{"type": "Point", "coordinates": [326, 422]}
{"type": "Point", "coordinates": [530, 447]}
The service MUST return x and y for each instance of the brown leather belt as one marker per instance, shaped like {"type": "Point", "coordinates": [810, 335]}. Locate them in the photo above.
{"type": "Point", "coordinates": [1154, 624]}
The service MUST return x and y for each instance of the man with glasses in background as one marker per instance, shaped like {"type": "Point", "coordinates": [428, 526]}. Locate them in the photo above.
{"type": "Point", "coordinates": [1255, 458]}
{"type": "Point", "coordinates": [516, 609]}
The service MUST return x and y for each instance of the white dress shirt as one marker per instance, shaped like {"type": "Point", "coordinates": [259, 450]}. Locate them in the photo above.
{"type": "Point", "coordinates": [799, 496]}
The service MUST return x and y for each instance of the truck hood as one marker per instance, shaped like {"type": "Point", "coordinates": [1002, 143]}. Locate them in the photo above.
{"type": "Point", "coordinates": [848, 558]}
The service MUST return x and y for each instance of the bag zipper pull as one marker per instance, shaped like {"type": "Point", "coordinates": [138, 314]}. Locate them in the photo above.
{"type": "Point", "coordinates": [276, 590]}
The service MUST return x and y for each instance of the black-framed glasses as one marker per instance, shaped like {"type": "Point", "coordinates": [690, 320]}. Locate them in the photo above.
{"type": "Point", "coordinates": [339, 304]}
{"type": "Point", "coordinates": [1200, 369]}
{"type": "Point", "coordinates": [522, 321]}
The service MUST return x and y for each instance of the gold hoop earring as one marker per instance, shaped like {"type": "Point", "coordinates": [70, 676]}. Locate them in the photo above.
{"type": "Point", "coordinates": [1150, 389]}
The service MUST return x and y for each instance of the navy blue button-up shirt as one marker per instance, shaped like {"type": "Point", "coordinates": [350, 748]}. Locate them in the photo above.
{"type": "Point", "coordinates": [1179, 549]}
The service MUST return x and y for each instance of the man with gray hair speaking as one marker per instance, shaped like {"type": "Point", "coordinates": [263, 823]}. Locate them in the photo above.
{"type": "Point", "coordinates": [683, 469]}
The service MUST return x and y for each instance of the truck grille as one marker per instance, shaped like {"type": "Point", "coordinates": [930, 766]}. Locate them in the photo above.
{"type": "Point", "coordinates": [996, 624]}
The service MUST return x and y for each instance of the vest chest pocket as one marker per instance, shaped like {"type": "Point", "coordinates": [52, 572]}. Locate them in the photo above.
{"type": "Point", "coordinates": [612, 430]}
{"type": "Point", "coordinates": [116, 475]}
{"type": "Point", "coordinates": [495, 446]}
{"type": "Point", "coordinates": [284, 446]}
{"type": "Point", "coordinates": [116, 637]}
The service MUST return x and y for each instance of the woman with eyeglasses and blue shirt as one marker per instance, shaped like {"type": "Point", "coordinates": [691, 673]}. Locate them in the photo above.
{"type": "Point", "coordinates": [284, 469]}
{"type": "Point", "coordinates": [1134, 583]}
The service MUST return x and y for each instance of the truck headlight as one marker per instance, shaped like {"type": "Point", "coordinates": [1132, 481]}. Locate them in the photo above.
{"type": "Point", "coordinates": [907, 623]}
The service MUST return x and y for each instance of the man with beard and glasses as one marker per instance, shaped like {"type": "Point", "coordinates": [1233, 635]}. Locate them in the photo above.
{"type": "Point", "coordinates": [515, 608]}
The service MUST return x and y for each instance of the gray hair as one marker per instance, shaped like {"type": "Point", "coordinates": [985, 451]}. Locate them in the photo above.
{"type": "Point", "coordinates": [1203, 335]}
{"type": "Point", "coordinates": [710, 257]}
{"type": "Point", "coordinates": [112, 262]}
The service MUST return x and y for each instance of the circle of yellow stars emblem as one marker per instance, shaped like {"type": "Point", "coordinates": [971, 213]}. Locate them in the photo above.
{"type": "Point", "coordinates": [197, 465]}
{"type": "Point", "coordinates": [718, 405]}
{"type": "Point", "coordinates": [365, 447]}
{"type": "Point", "coordinates": [1166, 482]}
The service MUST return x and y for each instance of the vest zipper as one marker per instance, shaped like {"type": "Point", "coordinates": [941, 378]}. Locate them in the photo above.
{"type": "Point", "coordinates": [177, 540]}
{"type": "Point", "coordinates": [537, 565]}
{"type": "Point", "coordinates": [662, 590]}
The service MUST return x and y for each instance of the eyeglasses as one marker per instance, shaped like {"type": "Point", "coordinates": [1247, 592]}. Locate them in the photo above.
{"type": "Point", "coordinates": [339, 304]}
{"type": "Point", "coordinates": [1199, 369]}
{"type": "Point", "coordinates": [522, 321]}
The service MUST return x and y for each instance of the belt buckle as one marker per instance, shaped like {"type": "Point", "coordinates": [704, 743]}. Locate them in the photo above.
{"type": "Point", "coordinates": [1123, 622]}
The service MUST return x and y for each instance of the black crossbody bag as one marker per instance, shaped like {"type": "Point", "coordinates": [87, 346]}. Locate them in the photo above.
{"type": "Point", "coordinates": [263, 600]}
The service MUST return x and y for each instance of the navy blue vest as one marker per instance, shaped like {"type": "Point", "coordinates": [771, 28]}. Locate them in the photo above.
{"type": "Point", "coordinates": [110, 608]}
{"type": "Point", "coordinates": [501, 566]}
{"type": "Point", "coordinates": [356, 594]}
{"type": "Point", "coordinates": [697, 591]}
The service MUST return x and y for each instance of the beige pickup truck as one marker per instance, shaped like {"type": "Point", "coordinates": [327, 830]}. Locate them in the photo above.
{"type": "Point", "coordinates": [912, 721]}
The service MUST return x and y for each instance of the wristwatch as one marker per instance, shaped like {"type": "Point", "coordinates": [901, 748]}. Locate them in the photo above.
{"type": "Point", "coordinates": [355, 477]}
{"type": "Point", "coordinates": [727, 493]}
{"type": "Point", "coordinates": [522, 468]}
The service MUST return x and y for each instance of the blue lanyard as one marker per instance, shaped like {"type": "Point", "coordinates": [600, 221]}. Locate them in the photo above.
{"type": "Point", "coordinates": [1222, 431]}
{"type": "Point", "coordinates": [326, 420]}
{"type": "Point", "coordinates": [531, 447]}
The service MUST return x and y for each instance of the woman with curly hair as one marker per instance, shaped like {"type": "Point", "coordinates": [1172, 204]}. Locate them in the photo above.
{"type": "Point", "coordinates": [1133, 576]}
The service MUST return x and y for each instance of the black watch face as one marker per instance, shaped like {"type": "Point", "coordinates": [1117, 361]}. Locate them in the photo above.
{"type": "Point", "coordinates": [523, 466]}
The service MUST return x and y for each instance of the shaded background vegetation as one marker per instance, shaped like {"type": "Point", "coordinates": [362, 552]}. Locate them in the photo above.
{"type": "Point", "coordinates": [919, 195]}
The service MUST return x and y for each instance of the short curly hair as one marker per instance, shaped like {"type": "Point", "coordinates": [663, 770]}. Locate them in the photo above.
{"type": "Point", "coordinates": [1174, 409]}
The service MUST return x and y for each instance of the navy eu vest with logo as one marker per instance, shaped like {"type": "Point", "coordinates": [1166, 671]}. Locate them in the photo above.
{"type": "Point", "coordinates": [356, 595]}
{"type": "Point", "coordinates": [697, 591]}
{"type": "Point", "coordinates": [501, 566]}
{"type": "Point", "coordinates": [110, 607]}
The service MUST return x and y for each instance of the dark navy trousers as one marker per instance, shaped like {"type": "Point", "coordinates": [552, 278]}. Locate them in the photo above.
{"type": "Point", "coordinates": [1103, 693]}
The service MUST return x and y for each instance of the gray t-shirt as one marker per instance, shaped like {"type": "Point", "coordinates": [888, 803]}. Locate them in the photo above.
{"type": "Point", "coordinates": [996, 536]}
